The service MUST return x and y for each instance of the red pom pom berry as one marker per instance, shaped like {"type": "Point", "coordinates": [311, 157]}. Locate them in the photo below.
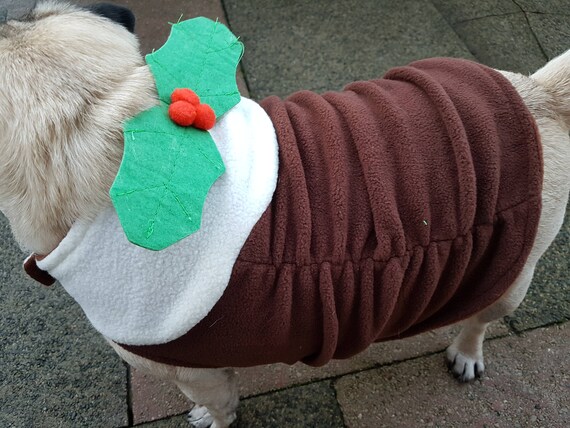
{"type": "Point", "coordinates": [182, 113]}
{"type": "Point", "coordinates": [186, 110]}
{"type": "Point", "coordinates": [205, 117]}
{"type": "Point", "coordinates": [185, 94]}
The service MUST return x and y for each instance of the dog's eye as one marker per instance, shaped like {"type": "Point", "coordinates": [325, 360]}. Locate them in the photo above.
{"type": "Point", "coordinates": [118, 14]}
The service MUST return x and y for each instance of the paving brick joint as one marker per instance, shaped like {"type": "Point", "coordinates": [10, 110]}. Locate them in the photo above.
{"type": "Point", "coordinates": [56, 371]}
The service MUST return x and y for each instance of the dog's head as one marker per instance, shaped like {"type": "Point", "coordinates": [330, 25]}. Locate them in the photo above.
{"type": "Point", "coordinates": [69, 78]}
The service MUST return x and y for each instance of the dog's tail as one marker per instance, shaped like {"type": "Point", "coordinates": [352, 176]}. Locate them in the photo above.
{"type": "Point", "coordinates": [554, 77]}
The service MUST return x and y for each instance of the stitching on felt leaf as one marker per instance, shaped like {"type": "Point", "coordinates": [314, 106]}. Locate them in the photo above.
{"type": "Point", "coordinates": [175, 196]}
{"type": "Point", "coordinates": [150, 229]}
{"type": "Point", "coordinates": [206, 55]}
{"type": "Point", "coordinates": [227, 94]}
{"type": "Point", "coordinates": [143, 131]}
{"type": "Point", "coordinates": [216, 164]}
{"type": "Point", "coordinates": [129, 192]}
{"type": "Point", "coordinates": [152, 220]}
{"type": "Point", "coordinates": [172, 77]}
{"type": "Point", "coordinates": [225, 48]}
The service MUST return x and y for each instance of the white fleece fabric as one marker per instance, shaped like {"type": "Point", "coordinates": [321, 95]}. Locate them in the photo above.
{"type": "Point", "coordinates": [137, 296]}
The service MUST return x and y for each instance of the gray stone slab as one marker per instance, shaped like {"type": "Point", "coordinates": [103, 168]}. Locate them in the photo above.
{"type": "Point", "coordinates": [311, 405]}
{"type": "Point", "coordinates": [555, 7]}
{"type": "Point", "coordinates": [321, 45]}
{"type": "Point", "coordinates": [456, 11]}
{"type": "Point", "coordinates": [504, 42]}
{"type": "Point", "coordinates": [526, 385]}
{"type": "Point", "coordinates": [507, 34]}
{"type": "Point", "coordinates": [55, 370]}
{"type": "Point", "coordinates": [552, 31]}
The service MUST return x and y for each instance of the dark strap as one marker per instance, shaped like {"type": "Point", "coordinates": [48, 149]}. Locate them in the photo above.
{"type": "Point", "coordinates": [32, 269]}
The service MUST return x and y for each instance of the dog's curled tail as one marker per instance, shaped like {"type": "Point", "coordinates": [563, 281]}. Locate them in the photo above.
{"type": "Point", "coordinates": [554, 77]}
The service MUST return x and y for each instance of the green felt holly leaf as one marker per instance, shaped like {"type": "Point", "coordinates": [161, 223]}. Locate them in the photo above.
{"type": "Point", "coordinates": [208, 54]}
{"type": "Point", "coordinates": [167, 170]}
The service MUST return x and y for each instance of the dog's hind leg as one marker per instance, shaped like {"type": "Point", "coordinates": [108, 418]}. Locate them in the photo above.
{"type": "Point", "coordinates": [465, 355]}
{"type": "Point", "coordinates": [214, 392]}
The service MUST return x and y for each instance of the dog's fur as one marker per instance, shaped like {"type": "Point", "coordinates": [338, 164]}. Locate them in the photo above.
{"type": "Point", "coordinates": [69, 80]}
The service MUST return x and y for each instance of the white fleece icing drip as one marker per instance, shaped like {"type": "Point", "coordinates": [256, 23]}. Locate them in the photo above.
{"type": "Point", "coordinates": [137, 296]}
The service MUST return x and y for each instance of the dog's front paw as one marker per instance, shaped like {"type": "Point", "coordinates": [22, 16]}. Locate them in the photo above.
{"type": "Point", "coordinates": [464, 367]}
{"type": "Point", "coordinates": [200, 417]}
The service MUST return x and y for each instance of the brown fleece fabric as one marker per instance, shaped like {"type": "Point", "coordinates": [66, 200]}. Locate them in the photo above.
{"type": "Point", "coordinates": [402, 205]}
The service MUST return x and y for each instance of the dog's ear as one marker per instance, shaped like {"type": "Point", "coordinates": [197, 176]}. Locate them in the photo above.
{"type": "Point", "coordinates": [118, 14]}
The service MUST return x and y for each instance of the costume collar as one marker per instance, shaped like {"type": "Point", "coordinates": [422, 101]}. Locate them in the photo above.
{"type": "Point", "coordinates": [32, 269]}
{"type": "Point", "coordinates": [136, 296]}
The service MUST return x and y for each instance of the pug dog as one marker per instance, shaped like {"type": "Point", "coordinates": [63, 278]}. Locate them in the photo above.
{"type": "Point", "coordinates": [341, 215]}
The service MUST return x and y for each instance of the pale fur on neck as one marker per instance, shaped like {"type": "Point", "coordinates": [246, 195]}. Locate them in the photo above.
{"type": "Point", "coordinates": [69, 80]}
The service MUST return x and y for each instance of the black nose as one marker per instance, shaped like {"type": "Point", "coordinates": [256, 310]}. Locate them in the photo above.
{"type": "Point", "coordinates": [118, 14]}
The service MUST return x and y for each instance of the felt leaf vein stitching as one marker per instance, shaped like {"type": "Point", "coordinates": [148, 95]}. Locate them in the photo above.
{"type": "Point", "coordinates": [217, 25]}
{"type": "Point", "coordinates": [167, 183]}
{"type": "Point", "coordinates": [142, 189]}
{"type": "Point", "coordinates": [165, 98]}
{"type": "Point", "coordinates": [231, 45]}
{"type": "Point", "coordinates": [177, 199]}
{"type": "Point", "coordinates": [144, 131]}
{"type": "Point", "coordinates": [152, 220]}
{"type": "Point", "coordinates": [196, 85]}
{"type": "Point", "coordinates": [206, 95]}
{"type": "Point", "coordinates": [198, 80]}
{"type": "Point", "coordinates": [141, 131]}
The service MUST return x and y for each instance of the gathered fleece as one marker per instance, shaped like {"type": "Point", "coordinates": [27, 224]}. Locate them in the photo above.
{"type": "Point", "coordinates": [402, 204]}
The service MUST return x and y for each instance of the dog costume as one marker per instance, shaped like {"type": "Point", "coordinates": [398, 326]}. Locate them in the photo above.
{"type": "Point", "coordinates": [400, 205]}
